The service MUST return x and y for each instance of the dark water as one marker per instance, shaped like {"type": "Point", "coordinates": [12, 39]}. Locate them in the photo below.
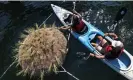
{"type": "Point", "coordinates": [17, 16]}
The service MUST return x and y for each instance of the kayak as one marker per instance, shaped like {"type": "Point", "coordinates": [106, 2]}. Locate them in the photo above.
{"type": "Point", "coordinates": [123, 64]}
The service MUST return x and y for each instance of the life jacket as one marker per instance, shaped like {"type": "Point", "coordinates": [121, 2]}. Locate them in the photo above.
{"type": "Point", "coordinates": [116, 52]}
{"type": "Point", "coordinates": [108, 48]}
{"type": "Point", "coordinates": [79, 27]}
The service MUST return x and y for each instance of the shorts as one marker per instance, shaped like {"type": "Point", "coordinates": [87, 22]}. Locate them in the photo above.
{"type": "Point", "coordinates": [102, 49]}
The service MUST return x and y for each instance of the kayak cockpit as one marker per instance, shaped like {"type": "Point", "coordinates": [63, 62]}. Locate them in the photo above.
{"type": "Point", "coordinates": [123, 62]}
{"type": "Point", "coordinates": [68, 20]}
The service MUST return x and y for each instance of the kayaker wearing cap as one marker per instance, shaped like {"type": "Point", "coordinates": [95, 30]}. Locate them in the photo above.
{"type": "Point", "coordinates": [77, 24]}
{"type": "Point", "coordinates": [108, 50]}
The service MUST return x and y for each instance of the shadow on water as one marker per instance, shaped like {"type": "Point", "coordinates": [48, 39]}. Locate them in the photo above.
{"type": "Point", "coordinates": [100, 14]}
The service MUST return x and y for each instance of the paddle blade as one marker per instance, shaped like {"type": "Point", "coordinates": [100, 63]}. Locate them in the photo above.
{"type": "Point", "coordinates": [120, 14]}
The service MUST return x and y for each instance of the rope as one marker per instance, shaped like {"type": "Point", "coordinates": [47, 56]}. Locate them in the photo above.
{"type": "Point", "coordinates": [7, 70]}
{"type": "Point", "coordinates": [74, 5]}
{"type": "Point", "coordinates": [46, 19]}
{"type": "Point", "coordinates": [65, 71]}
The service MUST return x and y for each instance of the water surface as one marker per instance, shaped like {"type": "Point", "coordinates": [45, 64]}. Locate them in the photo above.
{"type": "Point", "coordinates": [17, 16]}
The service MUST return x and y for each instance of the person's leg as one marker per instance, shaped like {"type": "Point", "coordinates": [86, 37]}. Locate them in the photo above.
{"type": "Point", "coordinates": [102, 40]}
{"type": "Point", "coordinates": [99, 48]}
{"type": "Point", "coordinates": [102, 43]}
{"type": "Point", "coordinates": [94, 44]}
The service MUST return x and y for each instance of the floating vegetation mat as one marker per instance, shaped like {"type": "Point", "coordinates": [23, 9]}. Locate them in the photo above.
{"type": "Point", "coordinates": [41, 52]}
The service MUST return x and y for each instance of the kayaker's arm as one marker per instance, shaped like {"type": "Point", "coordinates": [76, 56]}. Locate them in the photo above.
{"type": "Point", "coordinates": [75, 12]}
{"type": "Point", "coordinates": [97, 56]}
{"type": "Point", "coordinates": [111, 34]}
{"type": "Point", "coordinates": [100, 56]}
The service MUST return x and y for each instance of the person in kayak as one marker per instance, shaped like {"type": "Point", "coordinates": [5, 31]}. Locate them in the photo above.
{"type": "Point", "coordinates": [108, 50]}
{"type": "Point", "coordinates": [77, 24]}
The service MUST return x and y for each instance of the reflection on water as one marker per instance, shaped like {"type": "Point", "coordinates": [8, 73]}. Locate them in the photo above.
{"type": "Point", "coordinates": [16, 16]}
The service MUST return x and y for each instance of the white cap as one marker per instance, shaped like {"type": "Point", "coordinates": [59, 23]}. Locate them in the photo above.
{"type": "Point", "coordinates": [117, 44]}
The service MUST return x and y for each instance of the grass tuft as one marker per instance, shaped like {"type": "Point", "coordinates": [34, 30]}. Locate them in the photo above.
{"type": "Point", "coordinates": [41, 51]}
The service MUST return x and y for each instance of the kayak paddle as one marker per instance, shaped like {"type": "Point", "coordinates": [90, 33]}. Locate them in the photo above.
{"type": "Point", "coordinates": [120, 14]}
